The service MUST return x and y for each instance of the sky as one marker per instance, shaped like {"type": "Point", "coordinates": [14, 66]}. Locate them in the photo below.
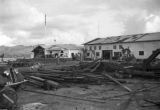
{"type": "Point", "coordinates": [22, 22]}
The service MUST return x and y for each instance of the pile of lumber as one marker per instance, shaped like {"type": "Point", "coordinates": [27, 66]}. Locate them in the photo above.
{"type": "Point", "coordinates": [84, 73]}
{"type": "Point", "coordinates": [89, 73]}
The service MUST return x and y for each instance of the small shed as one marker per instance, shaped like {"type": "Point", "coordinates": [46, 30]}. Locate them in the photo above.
{"type": "Point", "coordinates": [39, 52]}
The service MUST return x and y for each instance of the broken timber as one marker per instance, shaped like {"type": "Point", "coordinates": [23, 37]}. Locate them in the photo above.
{"type": "Point", "coordinates": [116, 81]}
{"type": "Point", "coordinates": [46, 83]}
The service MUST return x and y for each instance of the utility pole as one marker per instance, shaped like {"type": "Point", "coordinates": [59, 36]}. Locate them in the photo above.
{"type": "Point", "coordinates": [98, 28]}
{"type": "Point", "coordinates": [45, 24]}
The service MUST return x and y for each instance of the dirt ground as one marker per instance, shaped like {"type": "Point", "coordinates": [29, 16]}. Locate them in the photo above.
{"type": "Point", "coordinates": [98, 93]}
{"type": "Point", "coordinates": [90, 97]}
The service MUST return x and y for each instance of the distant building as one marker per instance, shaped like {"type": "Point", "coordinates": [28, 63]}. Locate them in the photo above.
{"type": "Point", "coordinates": [38, 52]}
{"type": "Point", "coordinates": [140, 45]}
{"type": "Point", "coordinates": [63, 50]}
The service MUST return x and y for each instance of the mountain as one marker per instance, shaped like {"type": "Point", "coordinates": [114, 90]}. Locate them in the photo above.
{"type": "Point", "coordinates": [25, 51]}
{"type": "Point", "coordinates": [16, 51]}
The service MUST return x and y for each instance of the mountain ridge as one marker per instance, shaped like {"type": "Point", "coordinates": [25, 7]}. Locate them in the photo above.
{"type": "Point", "coordinates": [16, 51]}
{"type": "Point", "coordinates": [22, 51]}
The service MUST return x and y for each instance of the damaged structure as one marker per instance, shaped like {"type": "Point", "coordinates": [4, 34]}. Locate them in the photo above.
{"type": "Point", "coordinates": [38, 52]}
{"type": "Point", "coordinates": [140, 46]}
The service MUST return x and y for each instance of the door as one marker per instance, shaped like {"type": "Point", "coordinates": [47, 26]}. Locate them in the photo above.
{"type": "Point", "coordinates": [107, 54]}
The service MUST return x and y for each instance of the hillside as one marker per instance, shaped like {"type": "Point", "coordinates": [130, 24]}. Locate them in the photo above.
{"type": "Point", "coordinates": [16, 51]}
{"type": "Point", "coordinates": [25, 51]}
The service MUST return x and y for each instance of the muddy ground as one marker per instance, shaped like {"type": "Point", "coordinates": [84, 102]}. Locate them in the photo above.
{"type": "Point", "coordinates": [98, 93]}
{"type": "Point", "coordinates": [90, 97]}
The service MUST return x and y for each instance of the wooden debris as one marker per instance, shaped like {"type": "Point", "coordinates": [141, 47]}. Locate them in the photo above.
{"type": "Point", "coordinates": [47, 84]}
{"type": "Point", "coordinates": [117, 82]}
{"type": "Point", "coordinates": [153, 102]}
{"type": "Point", "coordinates": [8, 98]}
{"type": "Point", "coordinates": [90, 73]}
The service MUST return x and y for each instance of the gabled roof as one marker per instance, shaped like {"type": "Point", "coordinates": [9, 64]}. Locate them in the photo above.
{"type": "Point", "coordinates": [92, 40]}
{"type": "Point", "coordinates": [37, 48]}
{"type": "Point", "coordinates": [42, 45]}
{"type": "Point", "coordinates": [126, 38]}
{"type": "Point", "coordinates": [56, 48]}
{"type": "Point", "coordinates": [64, 47]}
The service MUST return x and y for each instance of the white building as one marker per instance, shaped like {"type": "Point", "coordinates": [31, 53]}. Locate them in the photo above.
{"type": "Point", "coordinates": [63, 50]}
{"type": "Point", "coordinates": [140, 45]}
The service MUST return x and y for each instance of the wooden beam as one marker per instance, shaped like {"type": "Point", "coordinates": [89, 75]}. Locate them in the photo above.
{"type": "Point", "coordinates": [116, 81]}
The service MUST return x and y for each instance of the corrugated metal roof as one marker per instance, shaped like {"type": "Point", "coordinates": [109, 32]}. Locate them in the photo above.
{"type": "Point", "coordinates": [92, 40]}
{"type": "Point", "coordinates": [126, 38]}
{"type": "Point", "coordinates": [150, 37]}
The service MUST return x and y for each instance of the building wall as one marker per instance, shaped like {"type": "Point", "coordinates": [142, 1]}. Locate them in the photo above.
{"type": "Point", "coordinates": [147, 47]}
{"type": "Point", "coordinates": [74, 52]}
{"type": "Point", "coordinates": [66, 53]}
{"type": "Point", "coordinates": [32, 55]}
{"type": "Point", "coordinates": [46, 52]}
{"type": "Point", "coordinates": [97, 50]}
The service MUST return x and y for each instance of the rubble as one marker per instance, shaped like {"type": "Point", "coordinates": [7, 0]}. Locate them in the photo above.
{"type": "Point", "coordinates": [10, 81]}
{"type": "Point", "coordinates": [98, 72]}
{"type": "Point", "coordinates": [86, 73]}
{"type": "Point", "coordinates": [8, 98]}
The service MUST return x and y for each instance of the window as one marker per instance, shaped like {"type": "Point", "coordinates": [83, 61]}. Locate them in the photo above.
{"type": "Point", "coordinates": [97, 53]}
{"type": "Point", "coordinates": [61, 54]}
{"type": "Point", "coordinates": [88, 54]}
{"type": "Point", "coordinates": [114, 47]}
{"type": "Point", "coordinates": [120, 46]}
{"type": "Point", "coordinates": [90, 47]}
{"type": "Point", "coordinates": [94, 47]}
{"type": "Point", "coordinates": [141, 52]}
{"type": "Point", "coordinates": [100, 47]}
{"type": "Point", "coordinates": [117, 54]}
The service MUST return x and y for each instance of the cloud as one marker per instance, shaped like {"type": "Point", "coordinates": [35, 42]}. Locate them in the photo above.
{"type": "Point", "coordinates": [75, 21]}
{"type": "Point", "coordinates": [5, 40]}
{"type": "Point", "coordinates": [133, 14]}
{"type": "Point", "coordinates": [135, 24]}
{"type": "Point", "coordinates": [16, 15]}
{"type": "Point", "coordinates": [153, 23]}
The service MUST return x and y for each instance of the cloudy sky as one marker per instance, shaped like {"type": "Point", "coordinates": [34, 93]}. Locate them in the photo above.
{"type": "Point", "coordinates": [22, 22]}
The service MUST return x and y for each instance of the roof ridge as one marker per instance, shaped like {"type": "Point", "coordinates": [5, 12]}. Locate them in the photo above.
{"type": "Point", "coordinates": [126, 38]}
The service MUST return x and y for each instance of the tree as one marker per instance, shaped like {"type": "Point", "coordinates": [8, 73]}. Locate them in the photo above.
{"type": "Point", "coordinates": [2, 56]}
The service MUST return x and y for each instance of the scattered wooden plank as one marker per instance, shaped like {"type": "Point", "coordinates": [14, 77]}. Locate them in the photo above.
{"type": "Point", "coordinates": [116, 81]}
{"type": "Point", "coordinates": [95, 68]}
{"type": "Point", "coordinates": [52, 83]}
{"type": "Point", "coordinates": [15, 84]}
